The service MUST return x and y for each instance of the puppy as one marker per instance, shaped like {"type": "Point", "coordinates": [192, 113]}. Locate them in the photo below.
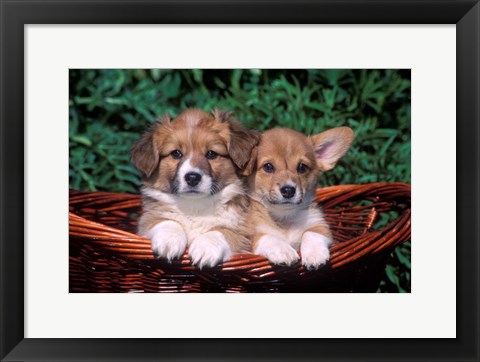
{"type": "Point", "coordinates": [283, 184]}
{"type": "Point", "coordinates": [193, 194]}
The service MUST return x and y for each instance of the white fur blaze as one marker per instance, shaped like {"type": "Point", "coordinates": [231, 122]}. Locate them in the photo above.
{"type": "Point", "coordinates": [209, 249]}
{"type": "Point", "coordinates": [314, 249]}
{"type": "Point", "coordinates": [276, 250]}
{"type": "Point", "coordinates": [168, 240]}
{"type": "Point", "coordinates": [203, 186]}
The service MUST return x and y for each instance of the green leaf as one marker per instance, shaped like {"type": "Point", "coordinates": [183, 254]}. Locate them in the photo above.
{"type": "Point", "coordinates": [402, 258]}
{"type": "Point", "coordinates": [82, 140]}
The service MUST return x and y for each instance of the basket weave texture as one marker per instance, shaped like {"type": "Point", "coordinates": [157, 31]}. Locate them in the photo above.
{"type": "Point", "coordinates": [367, 222]}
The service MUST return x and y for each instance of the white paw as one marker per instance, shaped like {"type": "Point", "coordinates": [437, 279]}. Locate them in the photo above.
{"type": "Point", "coordinates": [314, 250]}
{"type": "Point", "coordinates": [209, 249]}
{"type": "Point", "coordinates": [276, 250]}
{"type": "Point", "coordinates": [168, 240]}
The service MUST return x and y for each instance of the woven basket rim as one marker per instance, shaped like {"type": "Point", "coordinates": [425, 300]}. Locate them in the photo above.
{"type": "Point", "coordinates": [134, 248]}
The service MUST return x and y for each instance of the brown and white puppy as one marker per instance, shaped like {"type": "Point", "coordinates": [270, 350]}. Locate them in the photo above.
{"type": "Point", "coordinates": [192, 192]}
{"type": "Point", "coordinates": [283, 185]}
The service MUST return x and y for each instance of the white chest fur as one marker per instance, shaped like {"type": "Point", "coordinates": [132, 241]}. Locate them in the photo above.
{"type": "Point", "coordinates": [292, 226]}
{"type": "Point", "coordinates": [199, 215]}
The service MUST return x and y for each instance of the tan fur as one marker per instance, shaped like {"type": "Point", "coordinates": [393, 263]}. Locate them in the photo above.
{"type": "Point", "coordinates": [289, 219]}
{"type": "Point", "coordinates": [194, 132]}
{"type": "Point", "coordinates": [283, 148]}
{"type": "Point", "coordinates": [260, 216]}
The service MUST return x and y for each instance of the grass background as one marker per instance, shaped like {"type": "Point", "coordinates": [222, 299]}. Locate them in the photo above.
{"type": "Point", "coordinates": [109, 109]}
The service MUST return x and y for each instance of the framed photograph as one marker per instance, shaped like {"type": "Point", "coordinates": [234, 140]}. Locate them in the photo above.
{"type": "Point", "coordinates": [81, 60]}
{"type": "Point", "coordinates": [361, 115]}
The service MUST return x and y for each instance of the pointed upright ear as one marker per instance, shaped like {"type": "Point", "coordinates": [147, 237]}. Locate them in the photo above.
{"type": "Point", "coordinates": [241, 141]}
{"type": "Point", "coordinates": [145, 156]}
{"type": "Point", "coordinates": [331, 145]}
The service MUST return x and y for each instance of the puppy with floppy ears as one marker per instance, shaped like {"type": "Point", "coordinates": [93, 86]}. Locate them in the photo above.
{"type": "Point", "coordinates": [283, 185]}
{"type": "Point", "coordinates": [193, 194]}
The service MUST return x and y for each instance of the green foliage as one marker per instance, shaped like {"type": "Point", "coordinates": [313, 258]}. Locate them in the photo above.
{"type": "Point", "coordinates": [109, 109]}
{"type": "Point", "coordinates": [398, 271]}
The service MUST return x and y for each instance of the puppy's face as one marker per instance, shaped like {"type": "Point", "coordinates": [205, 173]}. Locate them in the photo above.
{"type": "Point", "coordinates": [195, 155]}
{"type": "Point", "coordinates": [289, 164]}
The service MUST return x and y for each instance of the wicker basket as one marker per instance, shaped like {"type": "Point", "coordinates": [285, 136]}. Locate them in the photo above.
{"type": "Point", "coordinates": [367, 221]}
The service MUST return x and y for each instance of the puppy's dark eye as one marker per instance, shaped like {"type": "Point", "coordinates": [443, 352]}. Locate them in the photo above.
{"type": "Point", "coordinates": [177, 154]}
{"type": "Point", "coordinates": [302, 168]}
{"type": "Point", "coordinates": [268, 167]}
{"type": "Point", "coordinates": [211, 155]}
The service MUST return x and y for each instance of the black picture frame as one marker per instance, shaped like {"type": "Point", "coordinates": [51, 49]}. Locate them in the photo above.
{"type": "Point", "coordinates": [16, 14]}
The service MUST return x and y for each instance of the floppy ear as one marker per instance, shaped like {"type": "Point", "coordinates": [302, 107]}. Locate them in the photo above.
{"type": "Point", "coordinates": [249, 167]}
{"type": "Point", "coordinates": [145, 154]}
{"type": "Point", "coordinates": [241, 141]}
{"type": "Point", "coordinates": [331, 145]}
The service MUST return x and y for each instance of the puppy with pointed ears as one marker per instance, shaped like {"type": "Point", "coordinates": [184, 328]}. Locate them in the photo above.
{"type": "Point", "coordinates": [193, 193]}
{"type": "Point", "coordinates": [283, 184]}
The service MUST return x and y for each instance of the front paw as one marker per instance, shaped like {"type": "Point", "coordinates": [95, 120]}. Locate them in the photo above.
{"type": "Point", "coordinates": [314, 249]}
{"type": "Point", "coordinates": [209, 249]}
{"type": "Point", "coordinates": [168, 240]}
{"type": "Point", "coordinates": [276, 250]}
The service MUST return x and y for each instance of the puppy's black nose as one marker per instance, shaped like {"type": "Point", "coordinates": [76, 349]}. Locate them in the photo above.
{"type": "Point", "coordinates": [287, 191]}
{"type": "Point", "coordinates": [193, 178]}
